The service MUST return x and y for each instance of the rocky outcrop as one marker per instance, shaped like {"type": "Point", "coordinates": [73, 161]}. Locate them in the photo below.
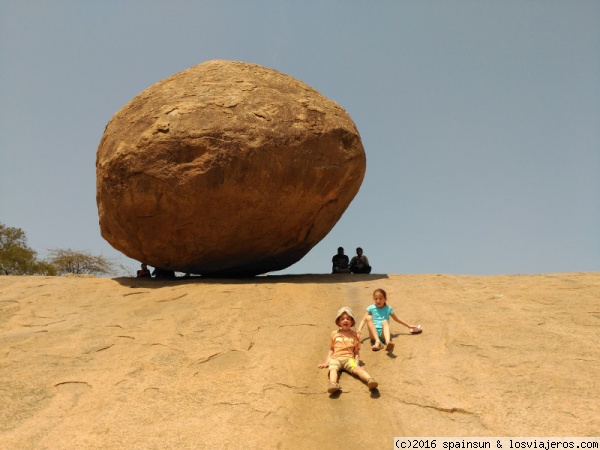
{"type": "Point", "coordinates": [98, 363]}
{"type": "Point", "coordinates": [226, 168]}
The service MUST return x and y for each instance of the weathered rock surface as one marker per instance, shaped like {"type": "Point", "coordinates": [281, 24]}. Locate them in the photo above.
{"type": "Point", "coordinates": [93, 363]}
{"type": "Point", "coordinates": [226, 168]}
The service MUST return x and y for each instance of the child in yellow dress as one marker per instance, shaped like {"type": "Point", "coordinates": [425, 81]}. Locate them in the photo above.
{"type": "Point", "coordinates": [344, 352]}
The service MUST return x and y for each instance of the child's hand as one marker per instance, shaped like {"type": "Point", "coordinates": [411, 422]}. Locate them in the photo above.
{"type": "Point", "coordinates": [323, 365]}
{"type": "Point", "coordinates": [416, 330]}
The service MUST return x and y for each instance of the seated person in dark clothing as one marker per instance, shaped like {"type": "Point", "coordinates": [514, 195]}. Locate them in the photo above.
{"type": "Point", "coordinates": [340, 262]}
{"type": "Point", "coordinates": [360, 263]}
{"type": "Point", "coordinates": [144, 272]}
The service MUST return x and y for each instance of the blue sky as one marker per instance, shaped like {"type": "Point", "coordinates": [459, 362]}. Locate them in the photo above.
{"type": "Point", "coordinates": [480, 119]}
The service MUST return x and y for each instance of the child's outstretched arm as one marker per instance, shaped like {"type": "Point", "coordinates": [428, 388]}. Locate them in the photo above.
{"type": "Point", "coordinates": [329, 355]}
{"type": "Point", "coordinates": [399, 320]}
{"type": "Point", "coordinates": [362, 324]}
{"type": "Point", "coordinates": [326, 363]}
{"type": "Point", "coordinates": [357, 350]}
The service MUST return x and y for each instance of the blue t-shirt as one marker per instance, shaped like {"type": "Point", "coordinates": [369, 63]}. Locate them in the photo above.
{"type": "Point", "coordinates": [379, 314]}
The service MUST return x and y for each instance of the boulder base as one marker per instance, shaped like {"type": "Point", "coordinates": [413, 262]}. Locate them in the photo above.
{"type": "Point", "coordinates": [226, 168]}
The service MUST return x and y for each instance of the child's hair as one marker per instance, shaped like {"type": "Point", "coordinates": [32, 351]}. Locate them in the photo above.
{"type": "Point", "coordinates": [382, 292]}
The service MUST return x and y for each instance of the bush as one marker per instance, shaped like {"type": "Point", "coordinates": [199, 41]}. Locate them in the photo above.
{"type": "Point", "coordinates": [80, 262]}
{"type": "Point", "coordinates": [16, 258]}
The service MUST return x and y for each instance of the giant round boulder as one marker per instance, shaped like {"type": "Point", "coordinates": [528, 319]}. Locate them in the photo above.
{"type": "Point", "coordinates": [226, 169]}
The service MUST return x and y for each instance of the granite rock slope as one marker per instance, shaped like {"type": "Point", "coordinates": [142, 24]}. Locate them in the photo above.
{"type": "Point", "coordinates": [196, 363]}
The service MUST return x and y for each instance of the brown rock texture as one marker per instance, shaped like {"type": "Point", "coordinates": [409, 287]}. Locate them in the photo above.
{"type": "Point", "coordinates": [92, 363]}
{"type": "Point", "coordinates": [226, 168]}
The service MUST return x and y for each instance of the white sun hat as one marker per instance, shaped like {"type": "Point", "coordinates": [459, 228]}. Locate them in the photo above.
{"type": "Point", "coordinates": [346, 310]}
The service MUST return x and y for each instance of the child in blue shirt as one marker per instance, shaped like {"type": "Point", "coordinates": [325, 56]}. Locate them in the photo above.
{"type": "Point", "coordinates": [378, 322]}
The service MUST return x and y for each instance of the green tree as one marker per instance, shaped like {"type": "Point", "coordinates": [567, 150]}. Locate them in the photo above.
{"type": "Point", "coordinates": [80, 262]}
{"type": "Point", "coordinates": [16, 257]}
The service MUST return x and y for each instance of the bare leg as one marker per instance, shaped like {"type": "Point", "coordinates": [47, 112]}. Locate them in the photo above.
{"type": "Point", "coordinates": [386, 331]}
{"type": "Point", "coordinates": [363, 375]}
{"type": "Point", "coordinates": [334, 376]}
{"type": "Point", "coordinates": [387, 336]}
{"type": "Point", "coordinates": [373, 331]}
{"type": "Point", "coordinates": [333, 381]}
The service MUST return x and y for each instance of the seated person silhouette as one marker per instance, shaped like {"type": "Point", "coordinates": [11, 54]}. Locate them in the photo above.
{"type": "Point", "coordinates": [360, 263]}
{"type": "Point", "coordinates": [144, 272]}
{"type": "Point", "coordinates": [340, 262]}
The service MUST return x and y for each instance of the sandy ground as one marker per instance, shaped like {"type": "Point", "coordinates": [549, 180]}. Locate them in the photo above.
{"type": "Point", "coordinates": [141, 364]}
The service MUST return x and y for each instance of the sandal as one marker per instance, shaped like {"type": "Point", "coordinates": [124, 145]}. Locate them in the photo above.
{"type": "Point", "coordinates": [389, 347]}
{"type": "Point", "coordinates": [334, 387]}
{"type": "Point", "coordinates": [372, 383]}
{"type": "Point", "coordinates": [378, 346]}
